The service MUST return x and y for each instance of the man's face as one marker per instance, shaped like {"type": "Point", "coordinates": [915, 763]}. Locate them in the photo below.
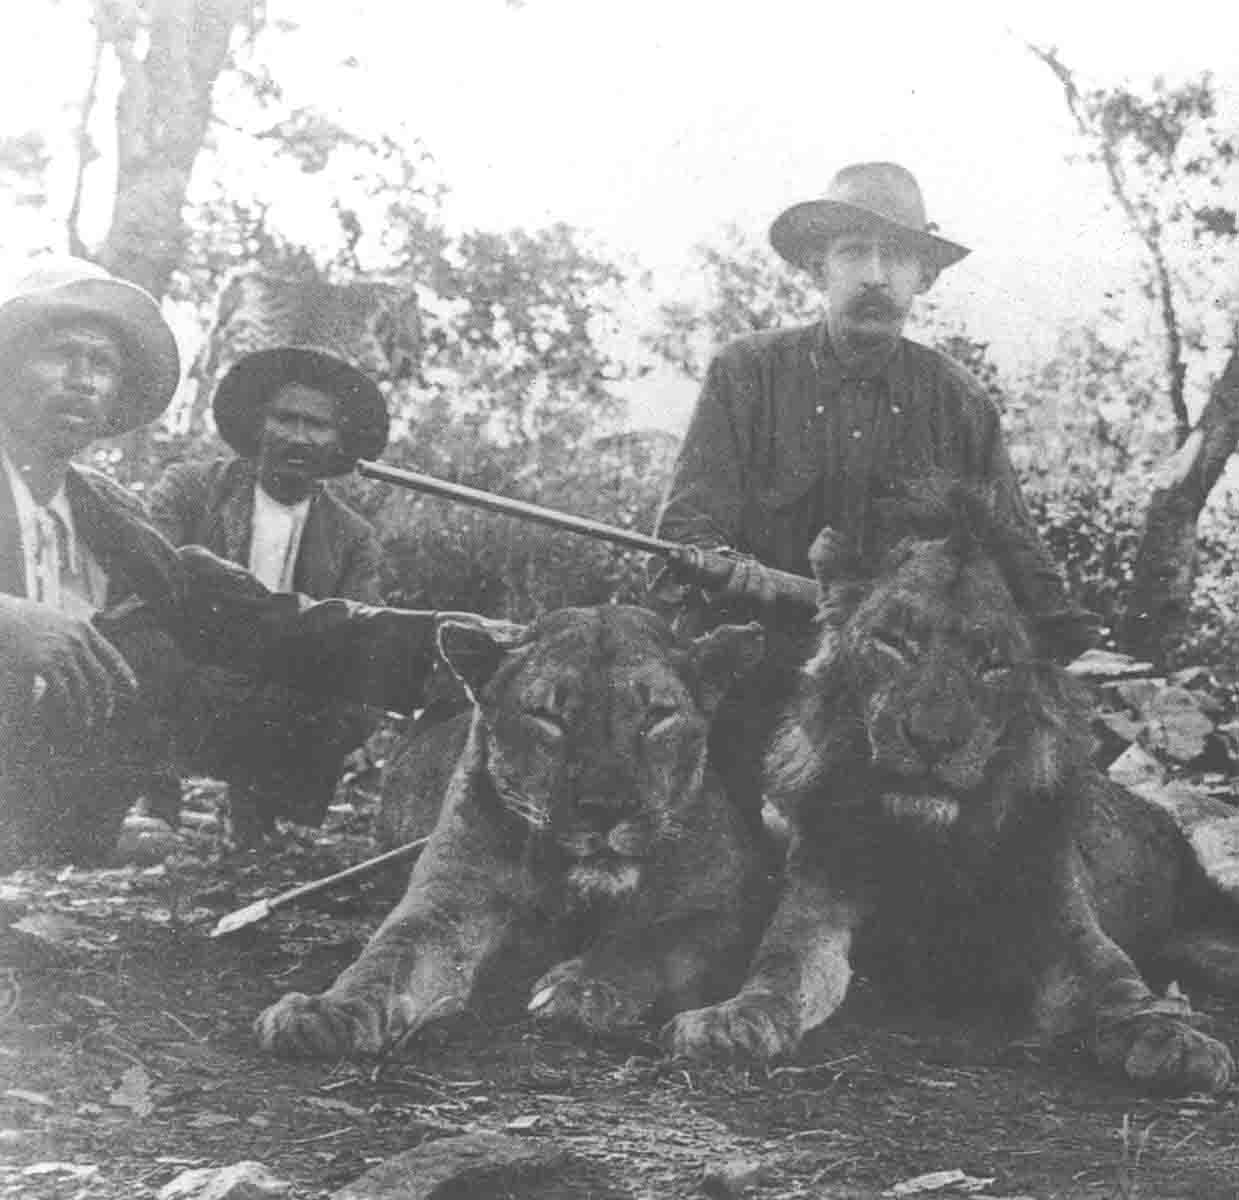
{"type": "Point", "coordinates": [299, 443]}
{"type": "Point", "coordinates": [870, 282]}
{"type": "Point", "coordinates": [65, 382]}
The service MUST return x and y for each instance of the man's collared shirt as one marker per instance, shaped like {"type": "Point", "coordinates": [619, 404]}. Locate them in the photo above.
{"type": "Point", "coordinates": [276, 539]}
{"type": "Point", "coordinates": [60, 570]}
{"type": "Point", "coordinates": [785, 439]}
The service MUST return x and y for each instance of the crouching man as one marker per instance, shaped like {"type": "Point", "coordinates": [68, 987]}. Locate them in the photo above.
{"type": "Point", "coordinates": [295, 415]}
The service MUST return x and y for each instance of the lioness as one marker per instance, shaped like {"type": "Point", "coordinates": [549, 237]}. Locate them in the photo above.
{"type": "Point", "coordinates": [932, 773]}
{"type": "Point", "coordinates": [580, 816]}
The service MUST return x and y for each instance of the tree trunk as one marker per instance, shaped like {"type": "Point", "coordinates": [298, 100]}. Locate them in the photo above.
{"type": "Point", "coordinates": [1165, 568]}
{"type": "Point", "coordinates": [162, 116]}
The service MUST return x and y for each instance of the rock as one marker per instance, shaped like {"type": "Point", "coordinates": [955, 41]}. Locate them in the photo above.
{"type": "Point", "coordinates": [455, 1166]}
{"type": "Point", "coordinates": [241, 1181]}
{"type": "Point", "coordinates": [733, 1178]}
{"type": "Point", "coordinates": [1189, 806]}
{"type": "Point", "coordinates": [145, 840]}
{"type": "Point", "coordinates": [1136, 766]}
{"type": "Point", "coordinates": [1216, 844]}
{"type": "Point", "coordinates": [1101, 665]}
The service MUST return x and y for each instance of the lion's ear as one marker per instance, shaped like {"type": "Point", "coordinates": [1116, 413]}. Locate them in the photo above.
{"type": "Point", "coordinates": [722, 656]}
{"type": "Point", "coordinates": [475, 646]}
{"type": "Point", "coordinates": [832, 558]}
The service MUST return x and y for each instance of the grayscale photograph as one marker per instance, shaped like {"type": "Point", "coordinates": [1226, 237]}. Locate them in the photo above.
{"type": "Point", "coordinates": [619, 602]}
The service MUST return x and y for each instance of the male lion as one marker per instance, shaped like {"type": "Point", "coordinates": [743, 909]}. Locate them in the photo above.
{"type": "Point", "coordinates": [580, 817]}
{"type": "Point", "coordinates": [933, 773]}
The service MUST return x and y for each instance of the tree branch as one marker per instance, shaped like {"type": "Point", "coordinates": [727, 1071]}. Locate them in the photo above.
{"type": "Point", "coordinates": [1174, 365]}
{"type": "Point", "coordinates": [84, 147]}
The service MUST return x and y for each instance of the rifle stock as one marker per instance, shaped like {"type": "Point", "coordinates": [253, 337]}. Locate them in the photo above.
{"type": "Point", "coordinates": [710, 569]}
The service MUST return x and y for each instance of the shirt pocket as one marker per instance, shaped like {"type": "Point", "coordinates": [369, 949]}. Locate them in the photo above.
{"type": "Point", "coordinates": [783, 520]}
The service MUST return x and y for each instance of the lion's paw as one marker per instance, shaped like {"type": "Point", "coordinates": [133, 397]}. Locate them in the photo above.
{"type": "Point", "coordinates": [757, 1027]}
{"type": "Point", "coordinates": [567, 993]}
{"type": "Point", "coordinates": [301, 1026]}
{"type": "Point", "coordinates": [1166, 1054]}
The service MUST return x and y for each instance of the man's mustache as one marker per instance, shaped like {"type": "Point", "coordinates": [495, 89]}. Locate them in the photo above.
{"type": "Point", "coordinates": [873, 303]}
{"type": "Point", "coordinates": [68, 405]}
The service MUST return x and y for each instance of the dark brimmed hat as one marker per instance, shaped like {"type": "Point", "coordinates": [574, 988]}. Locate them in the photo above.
{"type": "Point", "coordinates": [877, 197]}
{"type": "Point", "coordinates": [255, 378]}
{"type": "Point", "coordinates": [57, 290]}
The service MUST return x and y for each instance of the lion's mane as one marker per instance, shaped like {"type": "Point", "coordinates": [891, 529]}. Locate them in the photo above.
{"type": "Point", "coordinates": [821, 770]}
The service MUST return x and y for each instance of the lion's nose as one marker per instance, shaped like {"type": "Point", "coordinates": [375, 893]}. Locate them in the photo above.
{"type": "Point", "coordinates": [932, 744]}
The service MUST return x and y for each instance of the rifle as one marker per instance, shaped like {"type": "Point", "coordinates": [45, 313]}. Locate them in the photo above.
{"type": "Point", "coordinates": [710, 569]}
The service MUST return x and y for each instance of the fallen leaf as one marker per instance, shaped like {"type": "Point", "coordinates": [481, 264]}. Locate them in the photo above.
{"type": "Point", "coordinates": [53, 928]}
{"type": "Point", "coordinates": [523, 1124]}
{"type": "Point", "coordinates": [342, 1106]}
{"type": "Point", "coordinates": [77, 1170]}
{"type": "Point", "coordinates": [30, 1097]}
{"type": "Point", "coordinates": [937, 1181]}
{"type": "Point", "coordinates": [211, 1120]}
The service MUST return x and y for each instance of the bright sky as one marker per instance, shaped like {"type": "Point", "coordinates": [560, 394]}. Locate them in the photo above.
{"type": "Point", "coordinates": [653, 123]}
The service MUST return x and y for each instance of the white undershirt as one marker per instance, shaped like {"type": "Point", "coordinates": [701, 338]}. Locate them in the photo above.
{"type": "Point", "coordinates": [60, 569]}
{"type": "Point", "coordinates": [276, 539]}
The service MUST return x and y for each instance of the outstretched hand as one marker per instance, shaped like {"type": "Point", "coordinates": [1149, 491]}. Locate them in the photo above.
{"type": "Point", "coordinates": [61, 665]}
{"type": "Point", "coordinates": [726, 575]}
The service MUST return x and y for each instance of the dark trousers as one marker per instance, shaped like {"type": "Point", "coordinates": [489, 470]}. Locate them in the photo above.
{"type": "Point", "coordinates": [64, 792]}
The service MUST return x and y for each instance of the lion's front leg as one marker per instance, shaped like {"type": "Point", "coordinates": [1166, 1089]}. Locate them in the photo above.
{"type": "Point", "coordinates": [799, 978]}
{"type": "Point", "coordinates": [1091, 985]}
{"type": "Point", "coordinates": [420, 966]}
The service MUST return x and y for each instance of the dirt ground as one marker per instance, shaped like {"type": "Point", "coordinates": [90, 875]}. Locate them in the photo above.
{"type": "Point", "coordinates": [127, 1058]}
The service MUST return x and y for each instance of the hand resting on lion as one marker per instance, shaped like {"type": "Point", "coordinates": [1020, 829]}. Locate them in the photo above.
{"type": "Point", "coordinates": [580, 818]}
{"type": "Point", "coordinates": [934, 772]}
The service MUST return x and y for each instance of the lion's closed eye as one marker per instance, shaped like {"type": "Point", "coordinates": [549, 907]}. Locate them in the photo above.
{"type": "Point", "coordinates": [548, 721]}
{"type": "Point", "coordinates": [893, 645]}
{"type": "Point", "coordinates": [659, 718]}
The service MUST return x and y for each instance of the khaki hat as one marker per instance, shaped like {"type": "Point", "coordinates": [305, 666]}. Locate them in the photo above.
{"type": "Point", "coordinates": [55, 290]}
{"type": "Point", "coordinates": [878, 197]}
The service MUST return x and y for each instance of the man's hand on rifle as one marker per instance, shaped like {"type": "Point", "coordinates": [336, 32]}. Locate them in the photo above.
{"type": "Point", "coordinates": [725, 575]}
{"type": "Point", "coordinates": [750, 582]}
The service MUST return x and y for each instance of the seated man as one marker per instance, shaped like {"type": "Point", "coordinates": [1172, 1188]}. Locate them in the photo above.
{"type": "Point", "coordinates": [295, 415]}
{"type": "Point", "coordinates": [84, 355]}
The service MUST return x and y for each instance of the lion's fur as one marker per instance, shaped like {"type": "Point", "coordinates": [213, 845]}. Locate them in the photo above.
{"type": "Point", "coordinates": [956, 575]}
{"type": "Point", "coordinates": [580, 822]}
{"type": "Point", "coordinates": [935, 773]}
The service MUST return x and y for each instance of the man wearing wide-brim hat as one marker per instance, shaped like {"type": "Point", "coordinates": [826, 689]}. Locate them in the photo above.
{"type": "Point", "coordinates": [83, 355]}
{"type": "Point", "coordinates": [295, 415]}
{"type": "Point", "coordinates": [800, 428]}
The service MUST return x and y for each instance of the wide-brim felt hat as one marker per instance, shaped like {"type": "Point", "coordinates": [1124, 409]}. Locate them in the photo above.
{"type": "Point", "coordinates": [878, 197]}
{"type": "Point", "coordinates": [57, 290]}
{"type": "Point", "coordinates": [254, 378]}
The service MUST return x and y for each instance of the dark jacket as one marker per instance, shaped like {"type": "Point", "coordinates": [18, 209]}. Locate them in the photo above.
{"type": "Point", "coordinates": [92, 496]}
{"type": "Point", "coordinates": [783, 442]}
{"type": "Point", "coordinates": [211, 504]}
{"type": "Point", "coordinates": [219, 613]}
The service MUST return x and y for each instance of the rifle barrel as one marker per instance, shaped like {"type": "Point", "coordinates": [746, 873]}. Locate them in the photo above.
{"type": "Point", "coordinates": [598, 530]}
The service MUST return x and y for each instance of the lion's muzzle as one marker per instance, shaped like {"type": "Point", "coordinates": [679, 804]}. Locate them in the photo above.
{"type": "Point", "coordinates": [940, 747]}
